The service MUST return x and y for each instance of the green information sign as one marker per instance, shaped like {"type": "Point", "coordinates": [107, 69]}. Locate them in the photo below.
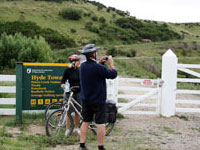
{"type": "Point", "coordinates": [38, 84]}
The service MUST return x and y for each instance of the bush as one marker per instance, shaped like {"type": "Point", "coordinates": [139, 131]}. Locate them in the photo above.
{"type": "Point", "coordinates": [89, 24]}
{"type": "Point", "coordinates": [94, 18]}
{"type": "Point", "coordinates": [17, 47]}
{"type": "Point", "coordinates": [114, 52]}
{"type": "Point", "coordinates": [58, 1]}
{"type": "Point", "coordinates": [153, 32]}
{"type": "Point", "coordinates": [73, 30]}
{"type": "Point", "coordinates": [102, 20]}
{"type": "Point", "coordinates": [30, 29]}
{"type": "Point", "coordinates": [71, 14]}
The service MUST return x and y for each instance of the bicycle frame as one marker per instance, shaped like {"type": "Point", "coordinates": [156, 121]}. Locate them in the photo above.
{"type": "Point", "coordinates": [71, 102]}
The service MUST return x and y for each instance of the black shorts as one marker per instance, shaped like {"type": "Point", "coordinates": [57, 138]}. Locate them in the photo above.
{"type": "Point", "coordinates": [76, 96]}
{"type": "Point", "coordinates": [94, 112]}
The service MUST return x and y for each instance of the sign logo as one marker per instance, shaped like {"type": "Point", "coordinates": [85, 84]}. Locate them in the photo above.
{"type": "Point", "coordinates": [29, 70]}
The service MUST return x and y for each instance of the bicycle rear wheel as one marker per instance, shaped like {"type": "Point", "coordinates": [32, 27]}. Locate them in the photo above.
{"type": "Point", "coordinates": [56, 124]}
{"type": "Point", "coordinates": [108, 128]}
{"type": "Point", "coordinates": [52, 107]}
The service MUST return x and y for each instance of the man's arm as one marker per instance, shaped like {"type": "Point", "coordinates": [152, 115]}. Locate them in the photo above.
{"type": "Point", "coordinates": [110, 62]}
{"type": "Point", "coordinates": [110, 73]}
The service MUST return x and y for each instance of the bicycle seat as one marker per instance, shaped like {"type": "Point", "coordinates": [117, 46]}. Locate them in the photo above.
{"type": "Point", "coordinates": [75, 88]}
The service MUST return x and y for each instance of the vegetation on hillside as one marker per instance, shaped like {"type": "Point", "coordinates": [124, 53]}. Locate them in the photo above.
{"type": "Point", "coordinates": [67, 25]}
{"type": "Point", "coordinates": [30, 29]}
{"type": "Point", "coordinates": [18, 48]}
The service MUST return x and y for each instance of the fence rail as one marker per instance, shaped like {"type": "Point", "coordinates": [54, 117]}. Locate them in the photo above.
{"type": "Point", "coordinates": [7, 89]}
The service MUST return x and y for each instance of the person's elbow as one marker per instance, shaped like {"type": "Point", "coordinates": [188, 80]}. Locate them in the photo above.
{"type": "Point", "coordinates": [113, 75]}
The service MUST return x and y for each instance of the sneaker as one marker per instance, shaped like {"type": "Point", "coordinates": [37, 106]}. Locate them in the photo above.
{"type": "Point", "coordinates": [67, 132]}
{"type": "Point", "coordinates": [77, 131]}
{"type": "Point", "coordinates": [85, 148]}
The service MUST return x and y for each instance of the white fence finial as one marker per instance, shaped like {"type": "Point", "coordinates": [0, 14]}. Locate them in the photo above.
{"type": "Point", "coordinates": [169, 76]}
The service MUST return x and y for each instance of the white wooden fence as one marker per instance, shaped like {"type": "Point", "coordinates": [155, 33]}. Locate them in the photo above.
{"type": "Point", "coordinates": [7, 89]}
{"type": "Point", "coordinates": [171, 103]}
{"type": "Point", "coordinates": [140, 96]}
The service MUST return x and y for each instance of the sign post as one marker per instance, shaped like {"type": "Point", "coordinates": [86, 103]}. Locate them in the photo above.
{"type": "Point", "coordinates": [38, 84]}
{"type": "Point", "coordinates": [19, 92]}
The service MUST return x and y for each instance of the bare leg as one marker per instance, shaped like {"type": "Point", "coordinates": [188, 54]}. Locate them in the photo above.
{"type": "Point", "coordinates": [100, 134]}
{"type": "Point", "coordinates": [67, 123]}
{"type": "Point", "coordinates": [76, 121]}
{"type": "Point", "coordinates": [84, 130]}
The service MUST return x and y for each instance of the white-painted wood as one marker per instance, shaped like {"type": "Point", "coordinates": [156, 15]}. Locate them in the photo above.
{"type": "Point", "coordinates": [7, 101]}
{"type": "Point", "coordinates": [139, 99]}
{"type": "Point", "coordinates": [183, 101]}
{"type": "Point", "coordinates": [7, 111]}
{"type": "Point", "coordinates": [7, 89]}
{"type": "Point", "coordinates": [139, 113]}
{"type": "Point", "coordinates": [188, 66]}
{"type": "Point", "coordinates": [112, 89]}
{"type": "Point", "coordinates": [33, 111]}
{"type": "Point", "coordinates": [190, 72]}
{"type": "Point", "coordinates": [188, 80]}
{"type": "Point", "coordinates": [121, 88]}
{"type": "Point", "coordinates": [137, 80]}
{"type": "Point", "coordinates": [128, 96]}
{"type": "Point", "coordinates": [140, 105]}
{"type": "Point", "coordinates": [169, 75]}
{"type": "Point", "coordinates": [188, 110]}
{"type": "Point", "coordinates": [8, 78]}
{"type": "Point", "coordinates": [187, 91]}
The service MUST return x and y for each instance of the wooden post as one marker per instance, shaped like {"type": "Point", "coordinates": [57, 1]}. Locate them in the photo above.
{"type": "Point", "coordinates": [112, 89]}
{"type": "Point", "coordinates": [19, 92]}
{"type": "Point", "coordinates": [169, 76]}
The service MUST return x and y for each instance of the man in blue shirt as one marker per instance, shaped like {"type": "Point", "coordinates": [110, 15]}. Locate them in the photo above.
{"type": "Point", "coordinates": [93, 77]}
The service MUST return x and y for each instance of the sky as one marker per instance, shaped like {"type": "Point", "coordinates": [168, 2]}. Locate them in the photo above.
{"type": "Point", "coordinates": [176, 11]}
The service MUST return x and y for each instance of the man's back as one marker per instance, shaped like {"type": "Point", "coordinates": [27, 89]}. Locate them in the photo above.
{"type": "Point", "coordinates": [93, 84]}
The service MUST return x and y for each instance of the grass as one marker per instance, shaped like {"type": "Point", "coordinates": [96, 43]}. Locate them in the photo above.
{"type": "Point", "coordinates": [46, 15]}
{"type": "Point", "coordinates": [121, 100]}
{"type": "Point", "coordinates": [24, 141]}
{"type": "Point", "coordinates": [182, 117]}
{"type": "Point", "coordinates": [197, 129]}
{"type": "Point", "coordinates": [170, 131]}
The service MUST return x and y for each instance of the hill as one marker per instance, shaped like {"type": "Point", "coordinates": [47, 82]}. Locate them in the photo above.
{"type": "Point", "coordinates": [67, 25]}
{"type": "Point", "coordinates": [96, 24]}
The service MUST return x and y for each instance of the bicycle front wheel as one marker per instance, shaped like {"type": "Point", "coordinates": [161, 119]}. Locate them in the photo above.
{"type": "Point", "coordinates": [56, 124]}
{"type": "Point", "coordinates": [52, 107]}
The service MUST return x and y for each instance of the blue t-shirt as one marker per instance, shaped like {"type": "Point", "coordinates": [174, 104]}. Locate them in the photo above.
{"type": "Point", "coordinates": [93, 83]}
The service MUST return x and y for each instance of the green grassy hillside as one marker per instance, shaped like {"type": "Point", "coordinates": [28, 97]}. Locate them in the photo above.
{"type": "Point", "coordinates": [143, 42]}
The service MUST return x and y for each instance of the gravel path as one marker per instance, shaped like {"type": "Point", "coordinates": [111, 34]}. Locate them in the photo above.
{"type": "Point", "coordinates": [164, 133]}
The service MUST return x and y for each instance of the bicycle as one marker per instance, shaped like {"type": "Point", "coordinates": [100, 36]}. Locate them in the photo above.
{"type": "Point", "coordinates": [56, 122]}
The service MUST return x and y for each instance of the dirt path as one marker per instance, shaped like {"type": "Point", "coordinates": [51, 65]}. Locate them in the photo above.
{"type": "Point", "coordinates": [162, 133]}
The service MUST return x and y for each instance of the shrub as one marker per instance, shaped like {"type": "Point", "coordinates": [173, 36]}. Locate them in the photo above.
{"type": "Point", "coordinates": [112, 51]}
{"type": "Point", "coordinates": [153, 32]}
{"type": "Point", "coordinates": [73, 30]}
{"type": "Point", "coordinates": [102, 20]}
{"type": "Point", "coordinates": [94, 18]}
{"type": "Point", "coordinates": [30, 29]}
{"type": "Point", "coordinates": [58, 1]}
{"type": "Point", "coordinates": [71, 13]}
{"type": "Point", "coordinates": [20, 48]}
{"type": "Point", "coordinates": [89, 24]}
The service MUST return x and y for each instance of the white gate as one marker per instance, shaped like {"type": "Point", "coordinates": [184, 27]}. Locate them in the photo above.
{"type": "Point", "coordinates": [183, 104]}
{"type": "Point", "coordinates": [139, 96]}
